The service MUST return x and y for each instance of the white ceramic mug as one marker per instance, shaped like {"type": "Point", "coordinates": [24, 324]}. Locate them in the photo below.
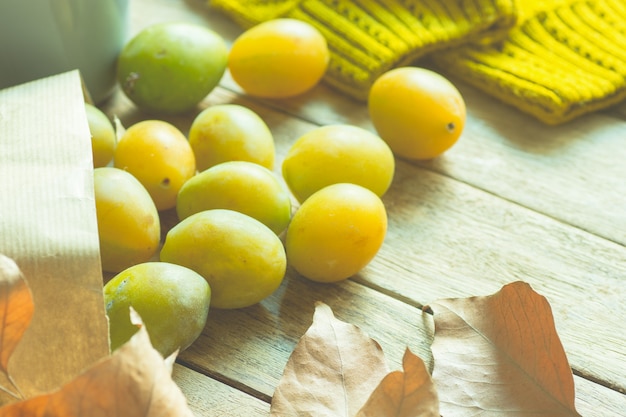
{"type": "Point", "coordinates": [39, 38]}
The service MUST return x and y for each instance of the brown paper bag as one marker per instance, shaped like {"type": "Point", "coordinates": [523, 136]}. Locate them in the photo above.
{"type": "Point", "coordinates": [48, 226]}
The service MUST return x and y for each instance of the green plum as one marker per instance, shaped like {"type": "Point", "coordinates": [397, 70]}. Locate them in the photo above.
{"type": "Point", "coordinates": [170, 67]}
{"type": "Point", "coordinates": [172, 300]}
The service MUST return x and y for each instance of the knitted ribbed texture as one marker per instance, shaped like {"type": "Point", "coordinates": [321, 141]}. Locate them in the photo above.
{"type": "Point", "coordinates": [557, 64]}
{"type": "Point", "coordinates": [368, 37]}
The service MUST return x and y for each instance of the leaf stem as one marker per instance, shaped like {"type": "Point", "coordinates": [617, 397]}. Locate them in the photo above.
{"type": "Point", "coordinates": [19, 395]}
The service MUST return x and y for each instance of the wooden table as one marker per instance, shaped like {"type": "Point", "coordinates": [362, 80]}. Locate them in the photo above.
{"type": "Point", "coordinates": [512, 200]}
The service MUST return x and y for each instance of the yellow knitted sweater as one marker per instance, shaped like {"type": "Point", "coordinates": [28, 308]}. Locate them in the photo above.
{"type": "Point", "coordinates": [563, 59]}
{"type": "Point", "coordinates": [368, 37]}
{"type": "Point", "coordinates": [553, 59]}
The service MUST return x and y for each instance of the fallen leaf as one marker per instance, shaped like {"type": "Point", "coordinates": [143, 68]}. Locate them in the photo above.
{"type": "Point", "coordinates": [500, 355]}
{"type": "Point", "coordinates": [135, 381]}
{"type": "Point", "coordinates": [16, 313]}
{"type": "Point", "coordinates": [404, 394]}
{"type": "Point", "coordinates": [331, 372]}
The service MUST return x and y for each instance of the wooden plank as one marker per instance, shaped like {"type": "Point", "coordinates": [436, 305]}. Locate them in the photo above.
{"type": "Point", "coordinates": [593, 400]}
{"type": "Point", "coordinates": [147, 12]}
{"type": "Point", "coordinates": [573, 172]}
{"type": "Point", "coordinates": [448, 239]}
{"type": "Point", "coordinates": [209, 398]}
{"type": "Point", "coordinates": [252, 345]}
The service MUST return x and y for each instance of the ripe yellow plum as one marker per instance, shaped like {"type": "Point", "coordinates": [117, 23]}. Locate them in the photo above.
{"type": "Point", "coordinates": [159, 156]}
{"type": "Point", "coordinates": [242, 259]}
{"type": "Point", "coordinates": [128, 221]}
{"type": "Point", "coordinates": [279, 58]}
{"type": "Point", "coordinates": [173, 302]}
{"type": "Point", "coordinates": [417, 111]}
{"type": "Point", "coordinates": [241, 186]}
{"type": "Point", "coordinates": [336, 232]}
{"type": "Point", "coordinates": [230, 132]}
{"type": "Point", "coordinates": [102, 136]}
{"type": "Point", "coordinates": [335, 154]}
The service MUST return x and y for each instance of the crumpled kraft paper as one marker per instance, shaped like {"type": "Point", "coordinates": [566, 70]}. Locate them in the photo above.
{"type": "Point", "coordinates": [48, 226]}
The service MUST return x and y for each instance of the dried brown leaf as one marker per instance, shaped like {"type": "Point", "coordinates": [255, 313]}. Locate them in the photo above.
{"type": "Point", "coordinates": [500, 355]}
{"type": "Point", "coordinates": [331, 372]}
{"type": "Point", "coordinates": [404, 394]}
{"type": "Point", "coordinates": [16, 313]}
{"type": "Point", "coordinates": [135, 381]}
